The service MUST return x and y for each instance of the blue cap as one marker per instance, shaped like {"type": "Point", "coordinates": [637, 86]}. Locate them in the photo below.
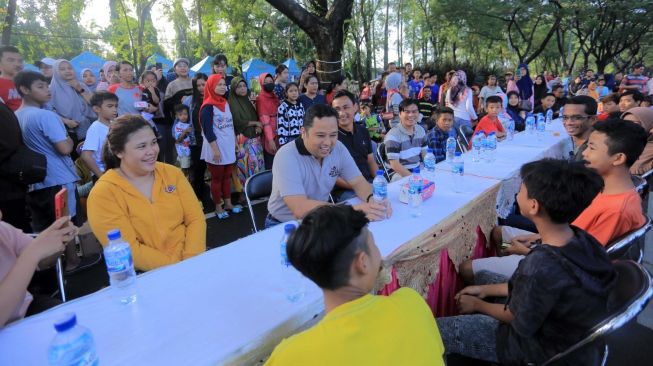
{"type": "Point", "coordinates": [493, 133]}
{"type": "Point", "coordinates": [458, 153]}
{"type": "Point", "coordinates": [113, 234]}
{"type": "Point", "coordinates": [289, 228]}
{"type": "Point", "coordinates": [66, 322]}
{"type": "Point", "coordinates": [416, 170]}
{"type": "Point", "coordinates": [429, 150]}
{"type": "Point", "coordinates": [379, 172]}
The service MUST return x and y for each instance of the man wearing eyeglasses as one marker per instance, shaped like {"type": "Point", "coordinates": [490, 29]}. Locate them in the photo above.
{"type": "Point", "coordinates": [406, 142]}
{"type": "Point", "coordinates": [578, 118]}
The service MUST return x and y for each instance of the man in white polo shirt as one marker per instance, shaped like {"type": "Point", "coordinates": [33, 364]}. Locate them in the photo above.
{"type": "Point", "coordinates": [305, 171]}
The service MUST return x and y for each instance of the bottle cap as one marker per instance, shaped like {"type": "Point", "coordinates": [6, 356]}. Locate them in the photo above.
{"type": "Point", "coordinates": [379, 172]}
{"type": "Point", "coordinates": [416, 170]}
{"type": "Point", "coordinates": [66, 322]}
{"type": "Point", "coordinates": [458, 153]}
{"type": "Point", "coordinates": [429, 150]}
{"type": "Point", "coordinates": [113, 234]}
{"type": "Point", "coordinates": [289, 228]}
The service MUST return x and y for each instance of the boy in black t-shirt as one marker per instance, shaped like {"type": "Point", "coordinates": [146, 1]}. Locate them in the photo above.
{"type": "Point", "coordinates": [560, 289]}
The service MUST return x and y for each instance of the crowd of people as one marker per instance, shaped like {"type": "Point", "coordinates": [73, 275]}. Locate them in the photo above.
{"type": "Point", "coordinates": [113, 143]}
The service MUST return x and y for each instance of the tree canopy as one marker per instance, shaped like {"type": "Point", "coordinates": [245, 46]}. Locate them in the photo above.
{"type": "Point", "coordinates": [556, 35]}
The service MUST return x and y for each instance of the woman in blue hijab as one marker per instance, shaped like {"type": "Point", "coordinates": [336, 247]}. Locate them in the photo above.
{"type": "Point", "coordinates": [525, 86]}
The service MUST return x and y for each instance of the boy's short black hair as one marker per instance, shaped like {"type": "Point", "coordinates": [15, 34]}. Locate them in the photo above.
{"type": "Point", "coordinates": [623, 137]}
{"type": "Point", "coordinates": [548, 95]}
{"type": "Point", "coordinates": [637, 95]}
{"type": "Point", "coordinates": [494, 99]}
{"type": "Point", "coordinates": [26, 79]}
{"type": "Point", "coordinates": [8, 49]}
{"type": "Point", "coordinates": [181, 107]}
{"type": "Point", "coordinates": [590, 104]}
{"type": "Point", "coordinates": [612, 97]}
{"type": "Point", "coordinates": [125, 62]}
{"type": "Point", "coordinates": [100, 96]}
{"type": "Point", "coordinates": [324, 245]}
{"type": "Point", "coordinates": [406, 102]}
{"type": "Point", "coordinates": [556, 87]}
{"type": "Point", "coordinates": [562, 188]}
{"type": "Point", "coordinates": [318, 111]}
{"type": "Point", "coordinates": [345, 93]}
{"type": "Point", "coordinates": [442, 110]}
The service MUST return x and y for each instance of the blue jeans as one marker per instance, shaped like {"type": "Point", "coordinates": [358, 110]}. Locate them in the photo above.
{"type": "Point", "coordinates": [473, 335]}
{"type": "Point", "coordinates": [271, 221]}
{"type": "Point", "coordinates": [470, 335]}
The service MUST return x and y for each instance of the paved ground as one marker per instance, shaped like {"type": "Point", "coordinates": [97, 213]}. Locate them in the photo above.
{"type": "Point", "coordinates": [629, 346]}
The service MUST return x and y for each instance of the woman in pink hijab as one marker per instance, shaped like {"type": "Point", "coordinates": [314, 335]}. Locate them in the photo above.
{"type": "Point", "coordinates": [110, 69]}
{"type": "Point", "coordinates": [643, 116]}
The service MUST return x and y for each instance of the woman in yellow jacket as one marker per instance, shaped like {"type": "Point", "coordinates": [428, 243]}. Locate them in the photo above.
{"type": "Point", "coordinates": [151, 203]}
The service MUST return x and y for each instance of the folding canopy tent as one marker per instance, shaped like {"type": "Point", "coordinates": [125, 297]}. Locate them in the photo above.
{"type": "Point", "coordinates": [255, 67]}
{"type": "Point", "coordinates": [166, 64]}
{"type": "Point", "coordinates": [87, 60]}
{"type": "Point", "coordinates": [294, 71]}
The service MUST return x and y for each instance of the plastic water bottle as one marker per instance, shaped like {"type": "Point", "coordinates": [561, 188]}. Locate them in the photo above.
{"type": "Point", "coordinates": [510, 129]}
{"type": "Point", "coordinates": [457, 172]}
{"type": "Point", "coordinates": [73, 344]}
{"type": "Point", "coordinates": [292, 279]}
{"type": "Point", "coordinates": [549, 116]}
{"type": "Point", "coordinates": [478, 144]}
{"type": "Point", "coordinates": [491, 143]}
{"type": "Point", "coordinates": [541, 126]}
{"type": "Point", "coordinates": [530, 124]}
{"type": "Point", "coordinates": [429, 165]}
{"type": "Point", "coordinates": [451, 146]}
{"type": "Point", "coordinates": [120, 265]}
{"type": "Point", "coordinates": [380, 188]}
{"type": "Point", "coordinates": [562, 110]}
{"type": "Point", "coordinates": [415, 180]}
{"type": "Point", "coordinates": [414, 201]}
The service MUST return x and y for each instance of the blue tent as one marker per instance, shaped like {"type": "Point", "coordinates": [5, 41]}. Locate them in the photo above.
{"type": "Point", "coordinates": [294, 71]}
{"type": "Point", "coordinates": [255, 67]}
{"type": "Point", "coordinates": [165, 63]}
{"type": "Point", "coordinates": [206, 66]}
{"type": "Point", "coordinates": [203, 66]}
{"type": "Point", "coordinates": [30, 67]}
{"type": "Point", "coordinates": [87, 60]}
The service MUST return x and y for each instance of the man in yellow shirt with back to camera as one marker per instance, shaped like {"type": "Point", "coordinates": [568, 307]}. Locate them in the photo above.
{"type": "Point", "coordinates": [334, 248]}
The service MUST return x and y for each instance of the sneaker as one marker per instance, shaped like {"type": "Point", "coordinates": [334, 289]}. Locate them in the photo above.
{"type": "Point", "coordinates": [222, 215]}
{"type": "Point", "coordinates": [86, 262]}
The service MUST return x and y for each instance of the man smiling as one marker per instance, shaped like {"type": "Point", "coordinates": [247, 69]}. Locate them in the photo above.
{"type": "Point", "coordinates": [405, 143]}
{"type": "Point", "coordinates": [579, 116]}
{"type": "Point", "coordinates": [306, 169]}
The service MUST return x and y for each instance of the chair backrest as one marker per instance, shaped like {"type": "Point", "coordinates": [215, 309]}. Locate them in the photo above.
{"type": "Point", "coordinates": [384, 161]}
{"type": "Point", "coordinates": [623, 244]}
{"type": "Point", "coordinates": [466, 133]}
{"type": "Point", "coordinates": [641, 185]}
{"type": "Point", "coordinates": [257, 186]}
{"type": "Point", "coordinates": [631, 293]}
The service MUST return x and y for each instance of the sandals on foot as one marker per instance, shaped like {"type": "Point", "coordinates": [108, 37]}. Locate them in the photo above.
{"type": "Point", "coordinates": [222, 215]}
{"type": "Point", "coordinates": [237, 209]}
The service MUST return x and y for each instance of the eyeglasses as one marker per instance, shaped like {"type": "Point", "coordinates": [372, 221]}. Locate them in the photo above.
{"type": "Point", "coordinates": [574, 118]}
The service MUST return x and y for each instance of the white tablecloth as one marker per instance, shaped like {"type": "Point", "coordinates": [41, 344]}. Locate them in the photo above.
{"type": "Point", "coordinates": [227, 306]}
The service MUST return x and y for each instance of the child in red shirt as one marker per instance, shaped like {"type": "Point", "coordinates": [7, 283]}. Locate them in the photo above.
{"type": "Point", "coordinates": [490, 122]}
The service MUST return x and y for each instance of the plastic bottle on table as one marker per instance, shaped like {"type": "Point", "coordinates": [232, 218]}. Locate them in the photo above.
{"type": "Point", "coordinates": [530, 124]}
{"type": "Point", "coordinates": [120, 266]}
{"type": "Point", "coordinates": [415, 180]}
{"type": "Point", "coordinates": [540, 126]}
{"type": "Point", "coordinates": [451, 146]}
{"type": "Point", "coordinates": [73, 344]}
{"type": "Point", "coordinates": [293, 283]}
{"type": "Point", "coordinates": [457, 172]}
{"type": "Point", "coordinates": [380, 188]}
{"type": "Point", "coordinates": [491, 143]}
{"type": "Point", "coordinates": [478, 144]}
{"type": "Point", "coordinates": [429, 165]}
{"type": "Point", "coordinates": [510, 129]}
{"type": "Point", "coordinates": [549, 116]}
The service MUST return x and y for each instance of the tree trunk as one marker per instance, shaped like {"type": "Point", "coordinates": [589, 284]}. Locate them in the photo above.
{"type": "Point", "coordinates": [327, 33]}
{"type": "Point", "coordinates": [9, 22]}
{"type": "Point", "coordinates": [385, 37]}
{"type": "Point", "coordinates": [366, 19]}
{"type": "Point", "coordinates": [400, 35]}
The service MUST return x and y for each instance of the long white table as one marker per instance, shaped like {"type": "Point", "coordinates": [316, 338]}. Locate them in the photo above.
{"type": "Point", "coordinates": [227, 306]}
